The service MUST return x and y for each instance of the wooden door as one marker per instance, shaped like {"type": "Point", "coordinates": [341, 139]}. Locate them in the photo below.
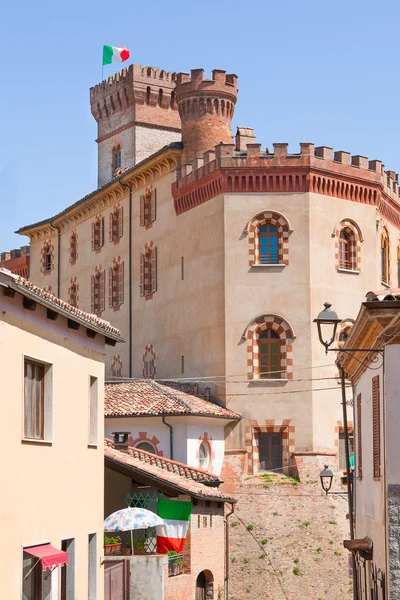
{"type": "Point", "coordinates": [270, 451]}
{"type": "Point", "coordinates": [201, 587]}
{"type": "Point", "coordinates": [115, 580]}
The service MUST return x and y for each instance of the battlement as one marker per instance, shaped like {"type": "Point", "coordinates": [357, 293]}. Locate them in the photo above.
{"type": "Point", "coordinates": [220, 84]}
{"type": "Point", "coordinates": [314, 169]}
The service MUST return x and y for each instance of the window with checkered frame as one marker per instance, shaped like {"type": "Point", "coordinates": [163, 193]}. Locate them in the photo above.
{"type": "Point", "coordinates": [97, 292]}
{"type": "Point", "coordinates": [116, 224]}
{"type": "Point", "coordinates": [148, 272]}
{"type": "Point", "coordinates": [116, 285]}
{"type": "Point", "coordinates": [98, 233]}
{"type": "Point", "coordinates": [148, 207]}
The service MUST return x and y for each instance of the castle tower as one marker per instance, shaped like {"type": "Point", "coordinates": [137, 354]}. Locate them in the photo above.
{"type": "Point", "coordinates": [206, 108]}
{"type": "Point", "coordinates": [136, 115]}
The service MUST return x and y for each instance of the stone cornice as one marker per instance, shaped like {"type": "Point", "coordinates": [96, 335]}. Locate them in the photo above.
{"type": "Point", "coordinates": [107, 136]}
{"type": "Point", "coordinates": [148, 171]}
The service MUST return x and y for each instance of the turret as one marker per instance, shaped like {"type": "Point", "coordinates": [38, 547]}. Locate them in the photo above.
{"type": "Point", "coordinates": [206, 108]}
{"type": "Point", "coordinates": [136, 115]}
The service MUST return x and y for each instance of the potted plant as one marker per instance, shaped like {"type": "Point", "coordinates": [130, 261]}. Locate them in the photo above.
{"type": "Point", "coordinates": [112, 545]}
{"type": "Point", "coordinates": [127, 549]}
{"type": "Point", "coordinates": [138, 547]}
{"type": "Point", "coordinates": [174, 563]}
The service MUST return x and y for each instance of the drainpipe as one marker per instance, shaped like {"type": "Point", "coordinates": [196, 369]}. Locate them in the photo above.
{"type": "Point", "coordinates": [227, 551]}
{"type": "Point", "coordinates": [127, 185]}
{"type": "Point", "coordinates": [171, 437]}
{"type": "Point", "coordinates": [58, 257]}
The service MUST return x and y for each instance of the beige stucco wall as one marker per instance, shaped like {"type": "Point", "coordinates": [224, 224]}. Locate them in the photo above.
{"type": "Point", "coordinates": [54, 491]}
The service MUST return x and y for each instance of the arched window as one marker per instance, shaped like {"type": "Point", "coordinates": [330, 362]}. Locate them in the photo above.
{"type": "Point", "coordinates": [269, 355]}
{"type": "Point", "coordinates": [146, 446]}
{"type": "Point", "coordinates": [269, 348]}
{"type": "Point", "coordinates": [204, 455]}
{"type": "Point", "coordinates": [268, 245]}
{"type": "Point", "coordinates": [385, 257]}
{"type": "Point", "coordinates": [344, 250]}
{"type": "Point", "coordinates": [117, 157]}
{"type": "Point", "coordinates": [268, 239]}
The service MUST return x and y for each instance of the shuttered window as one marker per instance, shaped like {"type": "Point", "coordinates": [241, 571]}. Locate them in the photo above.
{"type": "Point", "coordinates": [97, 292]}
{"type": "Point", "coordinates": [376, 427]}
{"type": "Point", "coordinates": [116, 285]}
{"type": "Point", "coordinates": [116, 224]}
{"type": "Point", "coordinates": [148, 273]}
{"type": "Point", "coordinates": [148, 207]}
{"type": "Point", "coordinates": [359, 438]}
{"type": "Point", "coordinates": [98, 234]}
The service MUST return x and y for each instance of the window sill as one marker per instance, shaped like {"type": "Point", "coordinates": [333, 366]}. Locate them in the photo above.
{"type": "Point", "coordinates": [386, 285]}
{"type": "Point", "coordinates": [93, 446]}
{"type": "Point", "coordinates": [349, 271]}
{"type": "Point", "coordinates": [268, 265]}
{"type": "Point", "coordinates": [268, 381]}
{"type": "Point", "coordinates": [36, 442]}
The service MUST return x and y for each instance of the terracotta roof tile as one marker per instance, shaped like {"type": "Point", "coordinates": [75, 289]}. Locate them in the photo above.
{"type": "Point", "coordinates": [27, 288]}
{"type": "Point", "coordinates": [388, 294]}
{"type": "Point", "coordinates": [188, 479]}
{"type": "Point", "coordinates": [150, 398]}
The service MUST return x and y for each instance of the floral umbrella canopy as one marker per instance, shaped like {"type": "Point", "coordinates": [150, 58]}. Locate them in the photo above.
{"type": "Point", "coordinates": [129, 519]}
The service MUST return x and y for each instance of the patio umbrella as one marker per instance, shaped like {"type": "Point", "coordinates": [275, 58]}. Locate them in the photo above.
{"type": "Point", "coordinates": [128, 519]}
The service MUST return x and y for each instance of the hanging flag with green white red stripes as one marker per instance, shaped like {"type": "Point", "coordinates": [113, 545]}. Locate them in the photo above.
{"type": "Point", "coordinates": [176, 515]}
{"type": "Point", "coordinates": [114, 54]}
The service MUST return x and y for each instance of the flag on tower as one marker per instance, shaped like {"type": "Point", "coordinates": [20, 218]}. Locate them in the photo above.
{"type": "Point", "coordinates": [113, 54]}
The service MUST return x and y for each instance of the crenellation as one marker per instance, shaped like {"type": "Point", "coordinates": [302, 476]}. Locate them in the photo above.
{"type": "Point", "coordinates": [280, 150]}
{"type": "Point", "coordinates": [307, 149]}
{"type": "Point", "coordinates": [359, 161]}
{"type": "Point", "coordinates": [342, 157]}
{"type": "Point", "coordinates": [324, 152]}
{"type": "Point", "coordinates": [253, 151]}
{"type": "Point", "coordinates": [208, 156]}
{"type": "Point", "coordinates": [375, 165]}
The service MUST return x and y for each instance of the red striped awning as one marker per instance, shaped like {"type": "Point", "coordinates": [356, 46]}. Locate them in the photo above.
{"type": "Point", "coordinates": [50, 556]}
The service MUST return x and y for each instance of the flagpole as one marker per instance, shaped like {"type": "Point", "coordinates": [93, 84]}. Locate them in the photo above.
{"type": "Point", "coordinates": [102, 64]}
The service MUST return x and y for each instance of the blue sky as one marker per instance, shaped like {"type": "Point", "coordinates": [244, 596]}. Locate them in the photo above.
{"type": "Point", "coordinates": [322, 72]}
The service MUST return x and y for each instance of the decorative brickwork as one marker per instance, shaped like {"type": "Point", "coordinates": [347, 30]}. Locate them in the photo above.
{"type": "Point", "coordinates": [145, 437]}
{"type": "Point", "coordinates": [148, 271]}
{"type": "Point", "coordinates": [98, 233]}
{"type": "Point", "coordinates": [285, 332]}
{"type": "Point", "coordinates": [255, 427]}
{"type": "Point", "coordinates": [116, 223]}
{"type": "Point", "coordinates": [73, 247]}
{"type": "Point", "coordinates": [116, 366]}
{"type": "Point", "coordinates": [73, 292]}
{"type": "Point", "coordinates": [149, 362]}
{"type": "Point", "coordinates": [284, 231]}
{"type": "Point", "coordinates": [97, 290]}
{"type": "Point", "coordinates": [116, 283]}
{"type": "Point", "coordinates": [148, 207]}
{"type": "Point", "coordinates": [47, 256]}
{"type": "Point", "coordinates": [349, 259]}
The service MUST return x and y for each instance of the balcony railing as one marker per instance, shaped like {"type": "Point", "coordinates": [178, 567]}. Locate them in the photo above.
{"type": "Point", "coordinates": [175, 565]}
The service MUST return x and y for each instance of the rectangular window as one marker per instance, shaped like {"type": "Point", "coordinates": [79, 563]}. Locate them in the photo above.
{"type": "Point", "coordinates": [68, 571]}
{"type": "Point", "coordinates": [116, 285]}
{"type": "Point", "coordinates": [34, 401]}
{"type": "Point", "coordinates": [31, 578]}
{"type": "Point", "coordinates": [98, 233]}
{"type": "Point", "coordinates": [116, 224]}
{"type": "Point", "coordinates": [183, 363]}
{"type": "Point", "coordinates": [376, 427]}
{"type": "Point", "coordinates": [92, 567]}
{"type": "Point", "coordinates": [182, 268]}
{"type": "Point", "coordinates": [342, 449]}
{"type": "Point", "coordinates": [148, 207]}
{"type": "Point", "coordinates": [359, 438]}
{"type": "Point", "coordinates": [93, 412]}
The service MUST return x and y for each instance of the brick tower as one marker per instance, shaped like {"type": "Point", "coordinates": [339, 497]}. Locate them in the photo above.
{"type": "Point", "coordinates": [206, 108]}
{"type": "Point", "coordinates": [136, 115]}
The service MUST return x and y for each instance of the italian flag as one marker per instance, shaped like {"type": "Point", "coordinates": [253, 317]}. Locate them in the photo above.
{"type": "Point", "coordinates": [176, 515]}
{"type": "Point", "coordinates": [113, 54]}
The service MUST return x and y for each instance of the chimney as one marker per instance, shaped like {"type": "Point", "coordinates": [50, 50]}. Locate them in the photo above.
{"type": "Point", "coordinates": [120, 439]}
{"type": "Point", "coordinates": [244, 136]}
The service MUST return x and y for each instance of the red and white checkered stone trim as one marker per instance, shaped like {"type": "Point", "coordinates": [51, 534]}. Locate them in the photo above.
{"type": "Point", "coordinates": [255, 427]}
{"type": "Point", "coordinates": [116, 366]}
{"type": "Point", "coordinates": [149, 247]}
{"type": "Point", "coordinates": [355, 239]}
{"type": "Point", "coordinates": [145, 437]}
{"type": "Point", "coordinates": [285, 332]}
{"type": "Point", "coordinates": [47, 245]}
{"type": "Point", "coordinates": [73, 237]}
{"type": "Point", "coordinates": [385, 236]}
{"type": "Point", "coordinates": [284, 231]}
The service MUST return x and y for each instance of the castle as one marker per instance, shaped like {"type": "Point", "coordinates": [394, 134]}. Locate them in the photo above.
{"type": "Point", "coordinates": [213, 257]}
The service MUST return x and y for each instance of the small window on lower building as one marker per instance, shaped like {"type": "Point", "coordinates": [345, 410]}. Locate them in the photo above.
{"type": "Point", "coordinates": [31, 578]}
{"type": "Point", "coordinates": [204, 455]}
{"type": "Point", "coordinates": [92, 567]}
{"type": "Point", "coordinates": [146, 446]}
{"type": "Point", "coordinates": [37, 401]}
{"type": "Point", "coordinates": [68, 571]}
{"type": "Point", "coordinates": [342, 449]}
{"type": "Point", "coordinates": [93, 412]}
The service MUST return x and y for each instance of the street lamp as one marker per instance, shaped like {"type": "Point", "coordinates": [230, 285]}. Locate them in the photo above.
{"type": "Point", "coordinates": [326, 477]}
{"type": "Point", "coordinates": [327, 317]}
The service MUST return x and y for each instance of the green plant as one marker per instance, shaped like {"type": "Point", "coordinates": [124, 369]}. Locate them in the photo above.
{"type": "Point", "coordinates": [233, 558]}
{"type": "Point", "coordinates": [337, 553]}
{"type": "Point", "coordinates": [296, 560]}
{"type": "Point", "coordinates": [250, 527]}
{"type": "Point", "coordinates": [275, 513]}
{"type": "Point", "coordinates": [319, 550]}
{"type": "Point", "coordinates": [296, 570]}
{"type": "Point", "coordinates": [111, 540]}
{"type": "Point", "coordinates": [304, 524]}
{"type": "Point", "coordinates": [331, 542]}
{"type": "Point", "coordinates": [234, 523]}
{"type": "Point", "coordinates": [262, 555]}
{"type": "Point", "coordinates": [246, 560]}
{"type": "Point", "coordinates": [264, 541]}
{"type": "Point", "coordinates": [333, 522]}
{"type": "Point", "coordinates": [128, 544]}
{"type": "Point", "coordinates": [139, 545]}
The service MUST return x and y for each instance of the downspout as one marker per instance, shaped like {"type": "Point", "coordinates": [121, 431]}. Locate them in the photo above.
{"type": "Point", "coordinates": [227, 551]}
{"type": "Point", "coordinates": [171, 438]}
{"type": "Point", "coordinates": [127, 185]}
{"type": "Point", "coordinates": [58, 258]}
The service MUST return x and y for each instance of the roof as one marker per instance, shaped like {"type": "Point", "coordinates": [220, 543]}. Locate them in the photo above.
{"type": "Point", "coordinates": [171, 473]}
{"type": "Point", "coordinates": [33, 292]}
{"type": "Point", "coordinates": [388, 295]}
{"type": "Point", "coordinates": [146, 397]}
{"type": "Point", "coordinates": [22, 230]}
